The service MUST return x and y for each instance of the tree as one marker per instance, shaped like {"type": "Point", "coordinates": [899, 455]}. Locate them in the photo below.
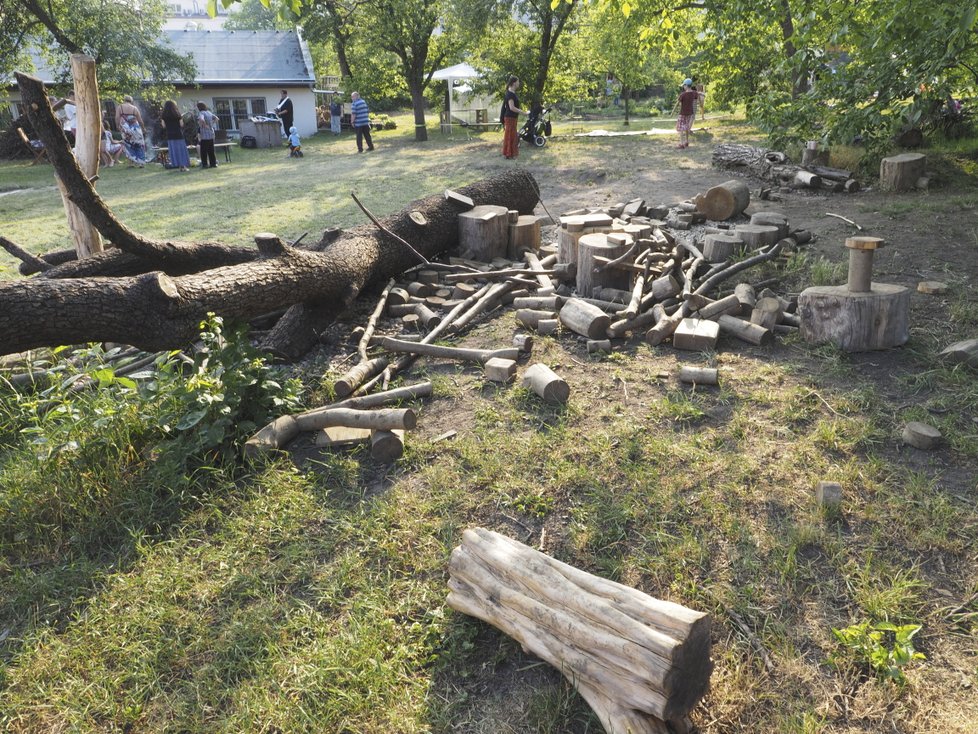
{"type": "Point", "coordinates": [123, 36]}
{"type": "Point", "coordinates": [254, 15]}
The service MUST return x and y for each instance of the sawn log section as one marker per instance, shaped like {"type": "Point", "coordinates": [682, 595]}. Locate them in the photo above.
{"type": "Point", "coordinates": [638, 661]}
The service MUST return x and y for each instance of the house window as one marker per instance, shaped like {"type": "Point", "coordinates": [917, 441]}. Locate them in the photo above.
{"type": "Point", "coordinates": [232, 110]}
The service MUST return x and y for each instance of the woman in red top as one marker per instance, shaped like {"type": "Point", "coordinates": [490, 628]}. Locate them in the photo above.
{"type": "Point", "coordinates": [686, 104]}
{"type": "Point", "coordinates": [511, 109]}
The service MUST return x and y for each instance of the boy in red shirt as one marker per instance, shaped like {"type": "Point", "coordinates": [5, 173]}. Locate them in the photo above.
{"type": "Point", "coordinates": [686, 104]}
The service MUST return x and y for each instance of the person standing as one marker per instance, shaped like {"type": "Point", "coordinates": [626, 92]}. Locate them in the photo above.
{"type": "Point", "coordinates": [335, 115]}
{"type": "Point", "coordinates": [284, 111]}
{"type": "Point", "coordinates": [511, 110]}
{"type": "Point", "coordinates": [129, 120]}
{"type": "Point", "coordinates": [361, 121]}
{"type": "Point", "coordinates": [207, 123]}
{"type": "Point", "coordinates": [173, 122]}
{"type": "Point", "coordinates": [686, 104]}
{"type": "Point", "coordinates": [71, 117]}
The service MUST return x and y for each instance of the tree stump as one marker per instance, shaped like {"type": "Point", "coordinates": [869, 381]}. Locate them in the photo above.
{"type": "Point", "coordinates": [524, 235]}
{"type": "Point", "coordinates": [900, 172]}
{"type": "Point", "coordinates": [589, 274]}
{"type": "Point", "coordinates": [483, 232]}
{"type": "Point", "coordinates": [757, 235]}
{"type": "Point", "coordinates": [724, 201]}
{"type": "Point", "coordinates": [718, 248]}
{"type": "Point", "coordinates": [855, 322]}
{"type": "Point", "coordinates": [631, 656]}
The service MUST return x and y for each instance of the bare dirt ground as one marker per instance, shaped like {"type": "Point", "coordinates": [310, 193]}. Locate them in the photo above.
{"type": "Point", "coordinates": [930, 236]}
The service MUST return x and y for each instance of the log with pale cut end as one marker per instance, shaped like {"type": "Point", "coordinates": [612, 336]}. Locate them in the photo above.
{"type": "Point", "coordinates": [962, 352]}
{"type": "Point", "coordinates": [921, 436]}
{"type": "Point", "coordinates": [589, 272]}
{"type": "Point", "coordinates": [546, 327]}
{"type": "Point", "coordinates": [771, 219]}
{"type": "Point", "coordinates": [699, 375]}
{"type": "Point", "coordinates": [724, 201]}
{"type": "Point", "coordinates": [720, 247]}
{"type": "Point", "coordinates": [531, 317]}
{"type": "Point", "coordinates": [806, 180]}
{"type": "Point", "coordinates": [362, 372]}
{"type": "Point", "coordinates": [900, 172]}
{"type": "Point", "coordinates": [523, 342]}
{"type": "Point", "coordinates": [386, 447]}
{"type": "Point", "coordinates": [483, 232]}
{"type": "Point", "coordinates": [546, 383]}
{"type": "Point", "coordinates": [665, 287]}
{"type": "Point", "coordinates": [855, 322]}
{"type": "Point", "coordinates": [594, 346]}
{"type": "Point", "coordinates": [932, 287]}
{"type": "Point", "coordinates": [584, 319]}
{"type": "Point", "coordinates": [745, 330]}
{"type": "Point", "coordinates": [630, 655]}
{"type": "Point", "coordinates": [726, 305]}
{"type": "Point", "coordinates": [745, 294]}
{"type": "Point", "coordinates": [524, 234]}
{"type": "Point", "coordinates": [767, 312]}
{"type": "Point", "coordinates": [335, 437]}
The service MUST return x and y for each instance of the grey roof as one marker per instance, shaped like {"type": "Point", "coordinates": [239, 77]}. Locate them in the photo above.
{"type": "Point", "coordinates": [246, 57]}
{"type": "Point", "coordinates": [241, 58]}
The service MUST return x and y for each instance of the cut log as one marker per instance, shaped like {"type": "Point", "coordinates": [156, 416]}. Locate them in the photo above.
{"type": "Point", "coordinates": [500, 370]}
{"type": "Point", "coordinates": [589, 273]}
{"type": "Point", "coordinates": [699, 375]}
{"type": "Point", "coordinates": [962, 352]}
{"type": "Point", "coordinates": [524, 235]}
{"type": "Point", "coordinates": [436, 350]}
{"type": "Point", "coordinates": [724, 201]}
{"type": "Point", "coordinates": [546, 383]}
{"type": "Point", "coordinates": [921, 436]}
{"type": "Point", "coordinates": [718, 248]}
{"type": "Point", "coordinates": [900, 172]}
{"type": "Point", "coordinates": [539, 303]}
{"type": "Point", "coordinates": [531, 317]}
{"type": "Point", "coordinates": [282, 430]}
{"type": "Point", "coordinates": [771, 219]}
{"type": "Point", "coordinates": [746, 297]}
{"type": "Point", "coordinates": [584, 319]}
{"type": "Point", "coordinates": [745, 330]}
{"type": "Point", "coordinates": [633, 656]}
{"type": "Point", "coordinates": [386, 447]}
{"type": "Point", "coordinates": [523, 342]}
{"type": "Point", "coordinates": [595, 346]}
{"type": "Point", "coordinates": [696, 335]}
{"type": "Point", "coordinates": [726, 305]}
{"type": "Point", "coordinates": [767, 312]}
{"type": "Point", "coordinates": [855, 322]}
{"type": "Point", "coordinates": [758, 235]}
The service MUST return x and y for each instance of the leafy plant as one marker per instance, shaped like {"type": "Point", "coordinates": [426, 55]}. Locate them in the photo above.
{"type": "Point", "coordinates": [883, 646]}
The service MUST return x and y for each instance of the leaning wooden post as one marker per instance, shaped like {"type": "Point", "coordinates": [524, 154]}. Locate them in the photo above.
{"type": "Point", "coordinates": [88, 137]}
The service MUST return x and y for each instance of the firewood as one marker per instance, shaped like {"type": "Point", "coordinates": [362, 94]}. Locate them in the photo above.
{"type": "Point", "coordinates": [921, 436]}
{"type": "Point", "coordinates": [696, 335]}
{"type": "Point", "coordinates": [643, 656]}
{"type": "Point", "coordinates": [614, 295]}
{"type": "Point", "coordinates": [806, 180]}
{"type": "Point", "coordinates": [746, 298]}
{"type": "Point", "coordinates": [828, 494]}
{"type": "Point", "coordinates": [712, 281]}
{"type": "Point", "coordinates": [598, 345]}
{"type": "Point", "coordinates": [386, 447]}
{"type": "Point", "coordinates": [589, 274]}
{"type": "Point", "coordinates": [524, 234]}
{"type": "Point", "coordinates": [546, 327]}
{"type": "Point", "coordinates": [539, 272]}
{"type": "Point", "coordinates": [435, 350]}
{"type": "Point", "coordinates": [745, 330]}
{"type": "Point", "coordinates": [539, 303]}
{"type": "Point", "coordinates": [962, 352]}
{"type": "Point", "coordinates": [727, 305]}
{"type": "Point", "coordinates": [699, 375]}
{"type": "Point", "coordinates": [719, 248]}
{"type": "Point", "coordinates": [767, 313]}
{"type": "Point", "coordinates": [362, 372]}
{"type": "Point", "coordinates": [546, 383]}
{"type": "Point", "coordinates": [724, 201]}
{"type": "Point", "coordinates": [584, 319]}
{"type": "Point", "coordinates": [499, 369]}
{"type": "Point", "coordinates": [757, 235]}
{"type": "Point", "coordinates": [530, 317]}
{"type": "Point", "coordinates": [666, 326]}
{"type": "Point", "coordinates": [282, 430]}
{"type": "Point", "coordinates": [771, 219]}
{"type": "Point", "coordinates": [523, 342]}
{"type": "Point", "coordinates": [642, 321]}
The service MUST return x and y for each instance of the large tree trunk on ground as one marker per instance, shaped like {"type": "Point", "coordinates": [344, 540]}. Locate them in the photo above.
{"type": "Point", "coordinates": [155, 311]}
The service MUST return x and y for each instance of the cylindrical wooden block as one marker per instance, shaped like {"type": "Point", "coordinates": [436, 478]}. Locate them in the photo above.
{"type": "Point", "coordinates": [828, 494]}
{"type": "Point", "coordinates": [546, 327]}
{"type": "Point", "coordinates": [421, 290]}
{"type": "Point", "coordinates": [584, 319]}
{"type": "Point", "coordinates": [428, 276]}
{"type": "Point", "coordinates": [745, 294]}
{"type": "Point", "coordinates": [757, 235]}
{"type": "Point", "coordinates": [767, 313]}
{"type": "Point", "coordinates": [856, 322]}
{"type": "Point", "coordinates": [483, 232]}
{"type": "Point", "coordinates": [461, 291]}
{"type": "Point", "coordinates": [900, 172]}
{"type": "Point", "coordinates": [665, 287]}
{"type": "Point", "coordinates": [428, 317]}
{"type": "Point", "coordinates": [386, 446]}
{"type": "Point", "coordinates": [728, 304]}
{"type": "Point", "coordinates": [921, 436]}
{"type": "Point", "coordinates": [771, 219]}
{"type": "Point", "coordinates": [699, 375]}
{"type": "Point", "coordinates": [745, 330]}
{"type": "Point", "coordinates": [531, 317]}
{"type": "Point", "coordinates": [588, 273]}
{"type": "Point", "coordinates": [598, 345]}
{"type": "Point", "coordinates": [546, 383]}
{"type": "Point", "coordinates": [567, 238]}
{"type": "Point", "coordinates": [860, 270]}
{"type": "Point", "coordinates": [724, 201]}
{"type": "Point", "coordinates": [718, 248]}
{"type": "Point", "coordinates": [614, 295]}
{"type": "Point", "coordinates": [397, 297]}
{"type": "Point", "coordinates": [523, 342]}
{"type": "Point", "coordinates": [524, 234]}
{"type": "Point", "coordinates": [539, 303]}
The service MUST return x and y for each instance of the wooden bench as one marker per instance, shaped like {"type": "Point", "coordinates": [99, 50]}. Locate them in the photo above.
{"type": "Point", "coordinates": [163, 154]}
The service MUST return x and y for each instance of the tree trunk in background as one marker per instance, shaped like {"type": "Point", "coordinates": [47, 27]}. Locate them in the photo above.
{"type": "Point", "coordinates": [88, 136]}
{"type": "Point", "coordinates": [417, 104]}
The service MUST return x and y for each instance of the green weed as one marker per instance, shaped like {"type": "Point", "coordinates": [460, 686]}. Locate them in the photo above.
{"type": "Point", "coordinates": [885, 648]}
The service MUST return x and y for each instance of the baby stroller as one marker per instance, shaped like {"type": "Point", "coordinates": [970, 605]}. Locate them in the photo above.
{"type": "Point", "coordinates": [536, 129]}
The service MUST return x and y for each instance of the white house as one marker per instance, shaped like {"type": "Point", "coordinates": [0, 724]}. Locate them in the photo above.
{"type": "Point", "coordinates": [239, 74]}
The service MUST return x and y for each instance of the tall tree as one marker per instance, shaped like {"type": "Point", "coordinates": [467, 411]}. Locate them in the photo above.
{"type": "Point", "coordinates": [123, 36]}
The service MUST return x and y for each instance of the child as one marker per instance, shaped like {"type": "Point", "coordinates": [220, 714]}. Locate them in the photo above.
{"type": "Point", "coordinates": [110, 149]}
{"type": "Point", "coordinates": [295, 145]}
{"type": "Point", "coordinates": [686, 105]}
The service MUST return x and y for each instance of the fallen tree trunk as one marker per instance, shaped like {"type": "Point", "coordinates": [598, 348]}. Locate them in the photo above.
{"type": "Point", "coordinates": [155, 311]}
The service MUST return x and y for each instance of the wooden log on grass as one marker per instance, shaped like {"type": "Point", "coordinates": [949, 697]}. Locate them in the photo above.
{"type": "Point", "coordinates": [282, 430]}
{"type": "Point", "coordinates": [584, 319]}
{"type": "Point", "coordinates": [436, 350]}
{"type": "Point", "coordinates": [546, 383]}
{"type": "Point", "coordinates": [724, 201]}
{"type": "Point", "coordinates": [634, 657]}
{"type": "Point", "coordinates": [745, 330]}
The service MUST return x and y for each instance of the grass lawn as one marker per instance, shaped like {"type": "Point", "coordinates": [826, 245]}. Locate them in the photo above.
{"type": "Point", "coordinates": [144, 592]}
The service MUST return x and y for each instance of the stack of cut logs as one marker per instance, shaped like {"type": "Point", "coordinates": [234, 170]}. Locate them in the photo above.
{"type": "Point", "coordinates": [638, 661]}
{"type": "Point", "coordinates": [774, 166]}
{"type": "Point", "coordinates": [626, 270]}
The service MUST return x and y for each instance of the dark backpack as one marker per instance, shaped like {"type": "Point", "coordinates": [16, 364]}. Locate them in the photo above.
{"type": "Point", "coordinates": [249, 141]}
{"type": "Point", "coordinates": [502, 113]}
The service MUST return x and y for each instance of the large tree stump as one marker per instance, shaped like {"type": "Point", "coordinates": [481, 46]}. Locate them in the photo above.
{"type": "Point", "coordinates": [855, 322]}
{"type": "Point", "coordinates": [724, 201]}
{"type": "Point", "coordinates": [483, 232]}
{"type": "Point", "coordinates": [590, 274]}
{"type": "Point", "coordinates": [900, 172]}
{"type": "Point", "coordinates": [637, 660]}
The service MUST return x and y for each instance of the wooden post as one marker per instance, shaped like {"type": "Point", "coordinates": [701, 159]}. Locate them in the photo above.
{"type": "Point", "coordinates": [88, 138]}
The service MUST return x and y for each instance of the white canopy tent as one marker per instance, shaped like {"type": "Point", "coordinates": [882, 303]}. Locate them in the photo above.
{"type": "Point", "coordinates": [462, 105]}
